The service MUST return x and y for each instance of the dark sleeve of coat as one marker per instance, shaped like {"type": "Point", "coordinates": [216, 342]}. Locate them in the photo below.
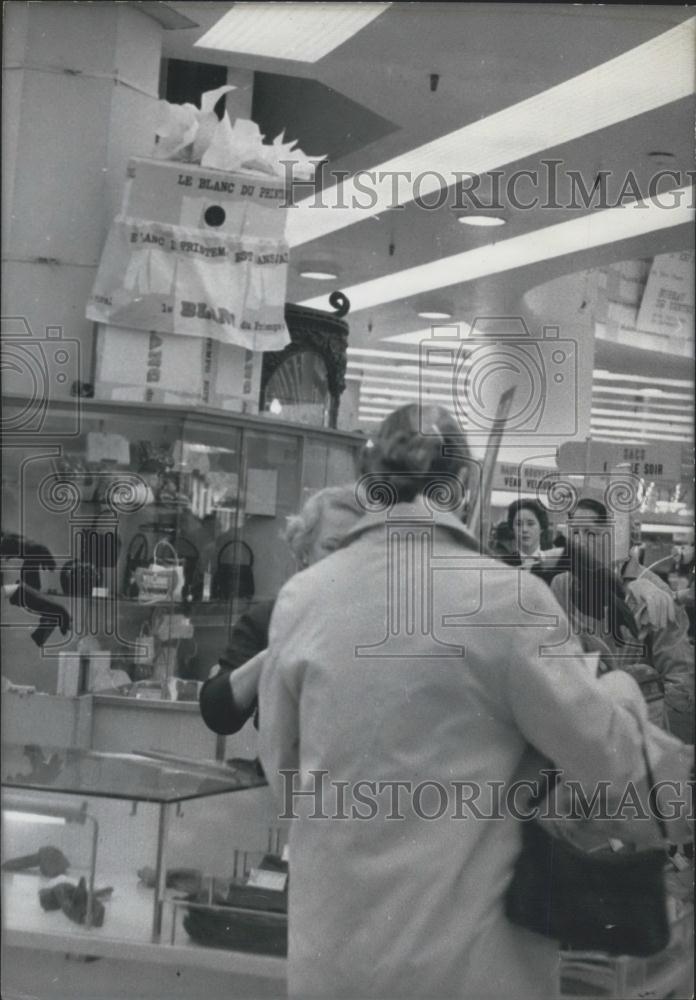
{"type": "Point", "coordinates": [249, 636]}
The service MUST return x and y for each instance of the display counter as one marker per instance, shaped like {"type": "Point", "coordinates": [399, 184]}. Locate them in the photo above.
{"type": "Point", "coordinates": [134, 537]}
{"type": "Point", "coordinates": [145, 835]}
{"type": "Point", "coordinates": [119, 724]}
{"type": "Point", "coordinates": [139, 533]}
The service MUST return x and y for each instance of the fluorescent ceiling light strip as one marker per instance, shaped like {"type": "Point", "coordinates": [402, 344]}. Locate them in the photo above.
{"type": "Point", "coordinates": [419, 336]}
{"type": "Point", "coordinates": [376, 385]}
{"type": "Point", "coordinates": [630, 437]}
{"type": "Point", "coordinates": [397, 377]}
{"type": "Point", "coordinates": [303, 32]}
{"type": "Point", "coordinates": [370, 352]}
{"type": "Point", "coordinates": [404, 371]}
{"type": "Point", "coordinates": [650, 380]}
{"type": "Point", "coordinates": [633, 435]}
{"type": "Point", "coordinates": [662, 416]}
{"type": "Point", "coordinates": [624, 394]}
{"type": "Point", "coordinates": [646, 433]}
{"type": "Point", "coordinates": [599, 375]}
{"type": "Point", "coordinates": [376, 374]}
{"type": "Point", "coordinates": [622, 408]}
{"type": "Point", "coordinates": [646, 77]}
{"type": "Point", "coordinates": [621, 420]}
{"type": "Point", "coordinates": [643, 427]}
{"type": "Point", "coordinates": [412, 389]}
{"type": "Point", "coordinates": [595, 229]}
{"type": "Point", "coordinates": [415, 397]}
{"type": "Point", "coordinates": [670, 418]}
{"type": "Point", "coordinates": [604, 394]}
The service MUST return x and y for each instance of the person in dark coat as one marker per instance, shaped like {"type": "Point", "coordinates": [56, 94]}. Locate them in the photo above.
{"type": "Point", "coordinates": [228, 697]}
{"type": "Point", "coordinates": [223, 711]}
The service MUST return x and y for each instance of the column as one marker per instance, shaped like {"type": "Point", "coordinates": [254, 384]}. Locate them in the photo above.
{"type": "Point", "coordinates": [80, 98]}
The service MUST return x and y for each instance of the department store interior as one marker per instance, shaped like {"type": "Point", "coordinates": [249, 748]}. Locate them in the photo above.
{"type": "Point", "coordinates": [237, 238]}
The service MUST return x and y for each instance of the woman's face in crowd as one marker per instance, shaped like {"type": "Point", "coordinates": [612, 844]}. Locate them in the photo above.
{"type": "Point", "coordinates": [335, 523]}
{"type": "Point", "coordinates": [527, 531]}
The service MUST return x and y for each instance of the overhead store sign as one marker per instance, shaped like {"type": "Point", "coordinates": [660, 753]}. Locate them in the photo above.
{"type": "Point", "coordinates": [654, 462]}
{"type": "Point", "coordinates": [526, 478]}
{"type": "Point", "coordinates": [667, 305]}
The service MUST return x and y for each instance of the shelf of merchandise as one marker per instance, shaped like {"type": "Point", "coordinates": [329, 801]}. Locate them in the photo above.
{"type": "Point", "coordinates": [128, 913]}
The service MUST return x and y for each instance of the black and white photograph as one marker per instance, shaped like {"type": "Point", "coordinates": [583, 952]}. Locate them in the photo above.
{"type": "Point", "coordinates": [347, 549]}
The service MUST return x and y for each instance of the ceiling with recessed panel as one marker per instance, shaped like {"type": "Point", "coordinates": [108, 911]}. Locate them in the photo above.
{"type": "Point", "coordinates": [479, 94]}
{"type": "Point", "coordinates": [336, 126]}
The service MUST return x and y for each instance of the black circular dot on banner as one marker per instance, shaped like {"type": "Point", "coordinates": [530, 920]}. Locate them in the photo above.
{"type": "Point", "coordinates": [214, 215]}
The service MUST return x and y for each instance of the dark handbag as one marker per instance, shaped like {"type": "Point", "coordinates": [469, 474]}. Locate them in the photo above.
{"type": "Point", "coordinates": [612, 903]}
{"type": "Point", "coordinates": [234, 577]}
{"type": "Point", "coordinates": [225, 926]}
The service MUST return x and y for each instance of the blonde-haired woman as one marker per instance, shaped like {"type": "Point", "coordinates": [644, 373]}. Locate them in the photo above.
{"type": "Point", "coordinates": [229, 696]}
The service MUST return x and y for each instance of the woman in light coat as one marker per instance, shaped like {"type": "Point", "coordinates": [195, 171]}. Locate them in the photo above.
{"type": "Point", "coordinates": [405, 659]}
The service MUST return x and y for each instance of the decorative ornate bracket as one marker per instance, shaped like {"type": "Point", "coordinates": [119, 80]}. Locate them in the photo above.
{"type": "Point", "coordinates": [313, 331]}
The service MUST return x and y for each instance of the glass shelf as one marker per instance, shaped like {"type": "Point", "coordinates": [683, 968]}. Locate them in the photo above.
{"type": "Point", "coordinates": [123, 776]}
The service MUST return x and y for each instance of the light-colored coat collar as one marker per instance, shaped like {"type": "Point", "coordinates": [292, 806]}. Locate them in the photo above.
{"type": "Point", "coordinates": [409, 515]}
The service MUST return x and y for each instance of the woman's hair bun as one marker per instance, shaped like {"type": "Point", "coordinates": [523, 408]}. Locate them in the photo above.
{"type": "Point", "coordinates": [412, 442]}
{"type": "Point", "coordinates": [400, 452]}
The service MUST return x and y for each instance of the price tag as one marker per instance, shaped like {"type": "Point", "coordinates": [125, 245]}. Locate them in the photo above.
{"type": "Point", "coordinates": [262, 879]}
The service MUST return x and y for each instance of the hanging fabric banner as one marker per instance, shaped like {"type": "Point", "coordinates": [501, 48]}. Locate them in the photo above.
{"type": "Point", "coordinates": [172, 279]}
{"type": "Point", "coordinates": [196, 252]}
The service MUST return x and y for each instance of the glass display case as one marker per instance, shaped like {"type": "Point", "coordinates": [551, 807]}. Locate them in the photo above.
{"type": "Point", "coordinates": [139, 533]}
{"type": "Point", "coordinates": [113, 854]}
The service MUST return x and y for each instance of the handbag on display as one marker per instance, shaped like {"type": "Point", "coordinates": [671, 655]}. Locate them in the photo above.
{"type": "Point", "coordinates": [160, 582]}
{"type": "Point", "coordinates": [138, 557]}
{"type": "Point", "coordinates": [234, 575]}
{"type": "Point", "coordinates": [609, 902]}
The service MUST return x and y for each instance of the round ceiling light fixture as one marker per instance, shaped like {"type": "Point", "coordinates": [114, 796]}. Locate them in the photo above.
{"type": "Point", "coordinates": [434, 314]}
{"type": "Point", "coordinates": [319, 275]}
{"type": "Point", "coordinates": [433, 307]}
{"type": "Point", "coordinates": [318, 270]}
{"type": "Point", "coordinates": [483, 221]}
